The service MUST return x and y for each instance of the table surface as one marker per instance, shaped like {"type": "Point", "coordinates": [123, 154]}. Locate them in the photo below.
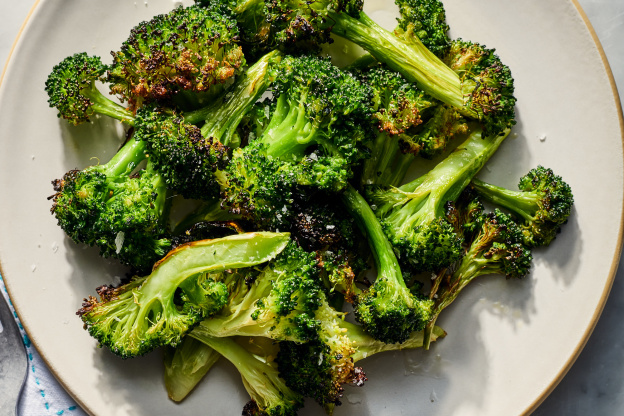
{"type": "Point", "coordinates": [594, 384]}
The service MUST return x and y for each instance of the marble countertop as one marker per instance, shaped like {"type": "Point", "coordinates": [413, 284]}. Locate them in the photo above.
{"type": "Point", "coordinates": [595, 383]}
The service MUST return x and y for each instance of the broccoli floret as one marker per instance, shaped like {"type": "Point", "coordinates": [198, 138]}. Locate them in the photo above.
{"type": "Point", "coordinates": [494, 246]}
{"type": "Point", "coordinates": [270, 396]}
{"type": "Point", "coordinates": [72, 90]}
{"type": "Point", "coordinates": [388, 310]}
{"type": "Point", "coordinates": [412, 215]}
{"type": "Point", "coordinates": [409, 123]}
{"type": "Point", "coordinates": [185, 365]}
{"type": "Point", "coordinates": [319, 369]}
{"type": "Point", "coordinates": [182, 289]}
{"type": "Point", "coordinates": [543, 203]}
{"type": "Point", "coordinates": [111, 206]}
{"type": "Point", "coordinates": [314, 137]}
{"type": "Point", "coordinates": [426, 21]}
{"type": "Point", "coordinates": [188, 49]}
{"type": "Point", "coordinates": [278, 302]}
{"type": "Point", "coordinates": [482, 89]}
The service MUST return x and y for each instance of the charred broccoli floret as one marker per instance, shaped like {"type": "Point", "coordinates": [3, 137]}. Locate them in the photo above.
{"type": "Point", "coordinates": [412, 215]}
{"type": "Point", "coordinates": [72, 90]}
{"type": "Point", "coordinates": [188, 49]}
{"type": "Point", "coordinates": [388, 310]}
{"type": "Point", "coordinates": [494, 246]}
{"type": "Point", "coordinates": [543, 203]}
{"type": "Point", "coordinates": [182, 289]}
{"type": "Point", "coordinates": [116, 208]}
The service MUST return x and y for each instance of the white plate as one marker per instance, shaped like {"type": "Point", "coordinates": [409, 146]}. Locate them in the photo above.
{"type": "Point", "coordinates": [509, 342]}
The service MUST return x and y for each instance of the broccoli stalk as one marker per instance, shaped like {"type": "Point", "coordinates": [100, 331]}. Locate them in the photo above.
{"type": "Point", "coordinates": [543, 203]}
{"type": "Point", "coordinates": [185, 366]}
{"type": "Point", "coordinates": [72, 90]}
{"type": "Point", "coordinates": [495, 247]}
{"type": "Point", "coordinates": [388, 310]}
{"type": "Point", "coordinates": [159, 309]}
{"type": "Point", "coordinates": [270, 396]}
{"type": "Point", "coordinates": [111, 206]}
{"type": "Point", "coordinates": [412, 216]}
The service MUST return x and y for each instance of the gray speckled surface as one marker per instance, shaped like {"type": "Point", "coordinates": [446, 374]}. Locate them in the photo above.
{"type": "Point", "coordinates": [595, 383]}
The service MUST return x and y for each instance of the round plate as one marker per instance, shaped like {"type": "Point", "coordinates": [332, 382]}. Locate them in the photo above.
{"type": "Point", "coordinates": [509, 342]}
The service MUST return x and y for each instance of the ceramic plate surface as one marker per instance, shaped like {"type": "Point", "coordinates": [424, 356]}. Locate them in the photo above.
{"type": "Point", "coordinates": [509, 342]}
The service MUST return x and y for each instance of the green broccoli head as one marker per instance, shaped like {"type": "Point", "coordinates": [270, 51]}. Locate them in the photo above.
{"type": "Point", "coordinates": [188, 49]}
{"type": "Point", "coordinates": [489, 82]}
{"type": "Point", "coordinates": [122, 212]}
{"type": "Point", "coordinates": [186, 160]}
{"type": "Point", "coordinates": [543, 203]}
{"type": "Point", "coordinates": [425, 19]}
{"type": "Point", "coordinates": [391, 312]}
{"type": "Point", "coordinates": [71, 88]}
{"type": "Point", "coordinates": [182, 289]}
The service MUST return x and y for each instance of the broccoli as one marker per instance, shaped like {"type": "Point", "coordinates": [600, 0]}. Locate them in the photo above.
{"type": "Point", "coordinates": [279, 301]}
{"type": "Point", "coordinates": [388, 310]}
{"type": "Point", "coordinates": [319, 368]}
{"type": "Point", "coordinates": [111, 206]}
{"type": "Point", "coordinates": [424, 21]}
{"type": "Point", "coordinates": [494, 246]}
{"type": "Point", "coordinates": [412, 215]}
{"type": "Point", "coordinates": [182, 289]}
{"type": "Point", "coordinates": [313, 138]}
{"type": "Point", "coordinates": [189, 49]}
{"type": "Point", "coordinates": [469, 77]}
{"type": "Point", "coordinates": [188, 156]}
{"type": "Point", "coordinates": [270, 396]}
{"type": "Point", "coordinates": [72, 90]}
{"type": "Point", "coordinates": [409, 123]}
{"type": "Point", "coordinates": [543, 203]}
{"type": "Point", "coordinates": [185, 365]}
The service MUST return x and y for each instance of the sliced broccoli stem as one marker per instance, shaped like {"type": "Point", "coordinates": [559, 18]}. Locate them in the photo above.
{"type": "Point", "coordinates": [383, 253]}
{"type": "Point", "coordinates": [413, 60]}
{"type": "Point", "coordinates": [524, 204]}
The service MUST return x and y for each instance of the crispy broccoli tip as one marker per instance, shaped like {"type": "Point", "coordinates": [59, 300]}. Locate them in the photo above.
{"type": "Point", "coordinates": [188, 49]}
{"type": "Point", "coordinates": [72, 90]}
{"type": "Point", "coordinates": [542, 204]}
{"type": "Point", "coordinates": [159, 309]}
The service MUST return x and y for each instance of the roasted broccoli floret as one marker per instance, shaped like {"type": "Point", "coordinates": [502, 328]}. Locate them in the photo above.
{"type": "Point", "coordinates": [424, 20]}
{"type": "Point", "coordinates": [543, 203]}
{"type": "Point", "coordinates": [116, 208]}
{"type": "Point", "coordinates": [314, 137]}
{"type": "Point", "coordinates": [182, 289]}
{"type": "Point", "coordinates": [72, 90]}
{"type": "Point", "coordinates": [270, 396]}
{"type": "Point", "coordinates": [279, 301]}
{"type": "Point", "coordinates": [189, 49]}
{"type": "Point", "coordinates": [319, 369]}
{"type": "Point", "coordinates": [388, 310]}
{"type": "Point", "coordinates": [409, 123]}
{"type": "Point", "coordinates": [494, 246]}
{"type": "Point", "coordinates": [412, 215]}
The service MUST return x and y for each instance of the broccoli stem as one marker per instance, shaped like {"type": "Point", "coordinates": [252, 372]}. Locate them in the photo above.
{"type": "Point", "coordinates": [126, 159]}
{"type": "Point", "coordinates": [105, 106]}
{"type": "Point", "coordinates": [388, 164]}
{"type": "Point", "coordinates": [445, 182]}
{"type": "Point", "coordinates": [224, 115]}
{"type": "Point", "coordinates": [522, 203]}
{"type": "Point", "coordinates": [385, 260]}
{"type": "Point", "coordinates": [413, 60]}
